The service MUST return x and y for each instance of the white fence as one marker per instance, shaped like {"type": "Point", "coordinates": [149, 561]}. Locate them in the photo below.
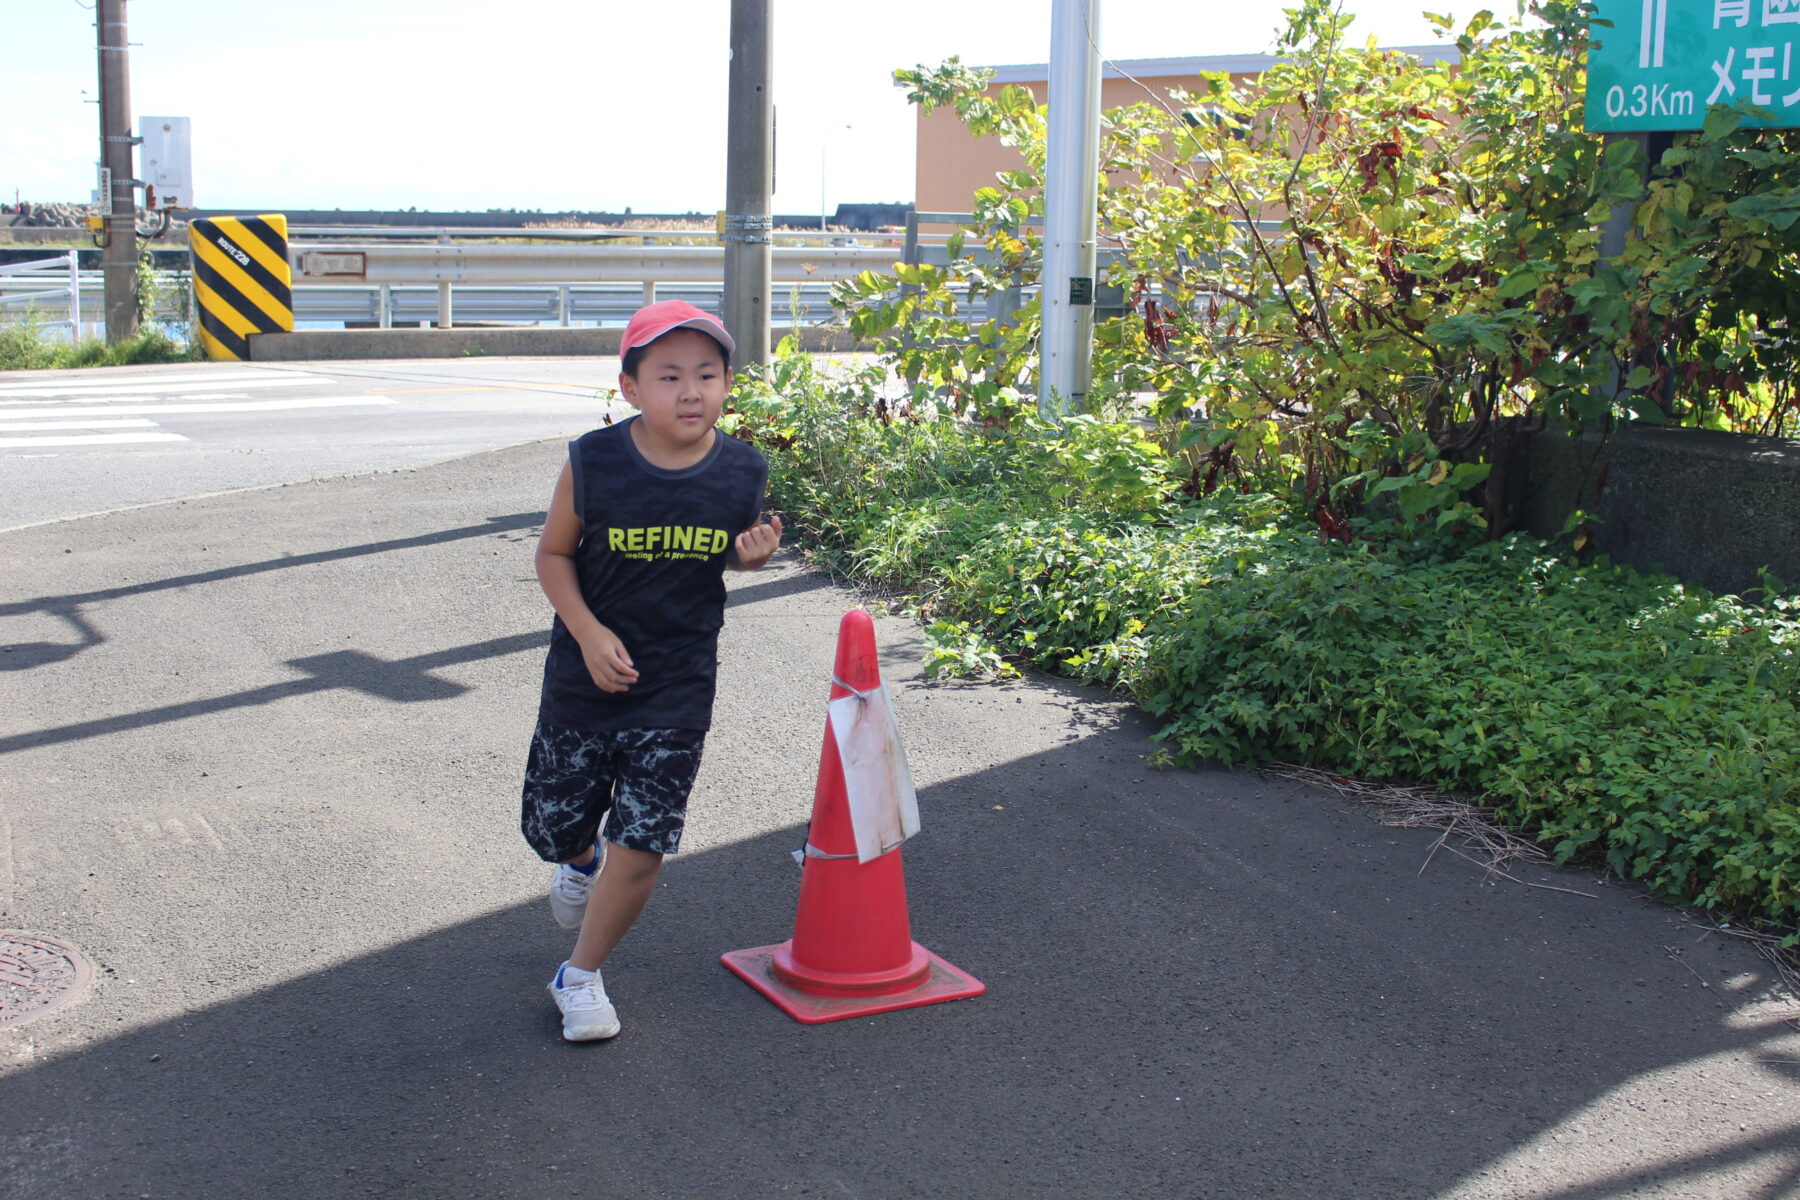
{"type": "Point", "coordinates": [29, 289]}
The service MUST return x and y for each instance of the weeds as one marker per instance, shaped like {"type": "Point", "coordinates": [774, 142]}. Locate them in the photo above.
{"type": "Point", "coordinates": [25, 346]}
{"type": "Point", "coordinates": [1609, 715]}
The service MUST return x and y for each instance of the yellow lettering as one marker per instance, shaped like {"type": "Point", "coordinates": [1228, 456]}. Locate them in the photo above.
{"type": "Point", "coordinates": [615, 539]}
{"type": "Point", "coordinates": [719, 538]}
{"type": "Point", "coordinates": [653, 537]}
{"type": "Point", "coordinates": [634, 540]}
{"type": "Point", "coordinates": [681, 537]}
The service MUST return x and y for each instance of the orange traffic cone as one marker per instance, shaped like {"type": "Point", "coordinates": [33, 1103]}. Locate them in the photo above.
{"type": "Point", "coordinates": [852, 952]}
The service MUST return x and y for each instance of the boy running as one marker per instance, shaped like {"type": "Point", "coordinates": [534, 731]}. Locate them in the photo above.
{"type": "Point", "coordinates": [646, 516]}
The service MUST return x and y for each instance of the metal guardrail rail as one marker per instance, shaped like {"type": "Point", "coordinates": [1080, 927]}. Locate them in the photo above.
{"type": "Point", "coordinates": [456, 266]}
{"type": "Point", "coordinates": [411, 281]}
{"type": "Point", "coordinates": [23, 284]}
{"type": "Point", "coordinates": [357, 304]}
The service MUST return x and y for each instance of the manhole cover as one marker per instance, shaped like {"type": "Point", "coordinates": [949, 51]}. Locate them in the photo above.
{"type": "Point", "coordinates": [37, 975]}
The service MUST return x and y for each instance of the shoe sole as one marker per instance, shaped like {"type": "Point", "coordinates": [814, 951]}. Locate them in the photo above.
{"type": "Point", "coordinates": [592, 1037]}
{"type": "Point", "coordinates": [563, 924]}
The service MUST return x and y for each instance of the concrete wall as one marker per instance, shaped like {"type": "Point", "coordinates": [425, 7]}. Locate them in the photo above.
{"type": "Point", "coordinates": [1710, 508]}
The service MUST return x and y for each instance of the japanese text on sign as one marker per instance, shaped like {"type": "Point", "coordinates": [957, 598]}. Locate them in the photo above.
{"type": "Point", "coordinates": [1663, 63]}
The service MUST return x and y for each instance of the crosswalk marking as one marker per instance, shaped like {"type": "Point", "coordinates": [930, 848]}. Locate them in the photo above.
{"type": "Point", "coordinates": [122, 423]}
{"type": "Point", "coordinates": [215, 380]}
{"type": "Point", "coordinates": [90, 418]}
{"type": "Point", "coordinates": [92, 439]}
{"type": "Point", "coordinates": [132, 390]}
{"type": "Point", "coordinates": [192, 409]}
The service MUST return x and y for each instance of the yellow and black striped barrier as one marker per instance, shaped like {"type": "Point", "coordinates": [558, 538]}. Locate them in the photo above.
{"type": "Point", "coordinates": [241, 280]}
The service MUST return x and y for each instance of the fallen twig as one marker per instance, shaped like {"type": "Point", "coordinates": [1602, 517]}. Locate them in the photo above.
{"type": "Point", "coordinates": [1675, 954]}
{"type": "Point", "coordinates": [1422, 808]}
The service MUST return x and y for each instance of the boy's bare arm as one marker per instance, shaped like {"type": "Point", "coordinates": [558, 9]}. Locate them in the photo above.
{"type": "Point", "coordinates": [607, 659]}
{"type": "Point", "coordinates": [756, 544]}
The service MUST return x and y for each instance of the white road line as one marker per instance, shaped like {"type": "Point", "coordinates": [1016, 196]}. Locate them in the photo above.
{"type": "Point", "coordinates": [200, 409]}
{"type": "Point", "coordinates": [164, 383]}
{"type": "Point", "coordinates": [126, 423]}
{"type": "Point", "coordinates": [95, 439]}
{"type": "Point", "coordinates": [126, 401]}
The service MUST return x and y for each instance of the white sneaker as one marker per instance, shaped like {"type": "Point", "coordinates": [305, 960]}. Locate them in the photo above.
{"type": "Point", "coordinates": [581, 998]}
{"type": "Point", "coordinates": [569, 890]}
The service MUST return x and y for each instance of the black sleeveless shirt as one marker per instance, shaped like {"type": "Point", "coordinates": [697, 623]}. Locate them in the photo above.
{"type": "Point", "coordinates": [651, 564]}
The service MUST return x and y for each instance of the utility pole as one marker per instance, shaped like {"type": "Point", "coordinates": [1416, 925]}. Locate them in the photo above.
{"type": "Point", "coordinates": [118, 187]}
{"type": "Point", "coordinates": [1071, 201]}
{"type": "Point", "coordinates": [749, 181]}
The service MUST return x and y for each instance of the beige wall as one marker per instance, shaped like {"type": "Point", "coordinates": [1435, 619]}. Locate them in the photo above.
{"type": "Point", "coordinates": [951, 164]}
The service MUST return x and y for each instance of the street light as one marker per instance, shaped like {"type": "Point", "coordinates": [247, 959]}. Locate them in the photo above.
{"type": "Point", "coordinates": [824, 148]}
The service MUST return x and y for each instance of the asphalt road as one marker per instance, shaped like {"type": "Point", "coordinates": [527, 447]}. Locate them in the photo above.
{"type": "Point", "coordinates": [79, 442]}
{"type": "Point", "coordinates": [259, 760]}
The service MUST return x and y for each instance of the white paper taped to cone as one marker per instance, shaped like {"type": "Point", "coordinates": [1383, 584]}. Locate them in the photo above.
{"type": "Point", "coordinates": [884, 809]}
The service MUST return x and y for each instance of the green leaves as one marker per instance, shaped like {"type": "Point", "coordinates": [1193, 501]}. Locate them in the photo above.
{"type": "Point", "coordinates": [1620, 718]}
{"type": "Point", "coordinates": [1775, 210]}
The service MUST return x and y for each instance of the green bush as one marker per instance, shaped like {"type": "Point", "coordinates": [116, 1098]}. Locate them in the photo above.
{"type": "Point", "coordinates": [1605, 711]}
{"type": "Point", "coordinates": [25, 346]}
{"type": "Point", "coordinates": [1614, 716]}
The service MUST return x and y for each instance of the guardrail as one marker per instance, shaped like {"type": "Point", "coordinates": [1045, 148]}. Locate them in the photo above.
{"type": "Point", "coordinates": [355, 304]}
{"type": "Point", "coordinates": [387, 305]}
{"type": "Point", "coordinates": [448, 265]}
{"type": "Point", "coordinates": [33, 274]}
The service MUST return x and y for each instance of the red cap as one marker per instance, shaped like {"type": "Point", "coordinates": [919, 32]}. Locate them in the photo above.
{"type": "Point", "coordinates": [654, 320]}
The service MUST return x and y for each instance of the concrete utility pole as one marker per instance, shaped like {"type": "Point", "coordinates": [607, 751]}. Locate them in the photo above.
{"type": "Point", "coordinates": [118, 194]}
{"type": "Point", "coordinates": [749, 181]}
{"type": "Point", "coordinates": [1071, 201]}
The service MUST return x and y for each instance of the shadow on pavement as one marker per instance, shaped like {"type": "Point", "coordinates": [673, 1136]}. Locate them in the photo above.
{"type": "Point", "coordinates": [1267, 1010]}
{"type": "Point", "coordinates": [68, 607]}
{"type": "Point", "coordinates": [405, 680]}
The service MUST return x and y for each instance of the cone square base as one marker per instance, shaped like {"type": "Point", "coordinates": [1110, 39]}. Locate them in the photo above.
{"type": "Point", "coordinates": [753, 966]}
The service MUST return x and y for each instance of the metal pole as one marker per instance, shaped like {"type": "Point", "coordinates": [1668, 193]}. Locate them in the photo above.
{"type": "Point", "coordinates": [118, 197]}
{"type": "Point", "coordinates": [74, 296]}
{"type": "Point", "coordinates": [1616, 232]}
{"type": "Point", "coordinates": [444, 314]}
{"type": "Point", "coordinates": [1071, 201]}
{"type": "Point", "coordinates": [749, 181]}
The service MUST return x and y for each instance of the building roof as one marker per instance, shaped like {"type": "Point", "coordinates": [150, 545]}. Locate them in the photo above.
{"type": "Point", "coordinates": [1234, 64]}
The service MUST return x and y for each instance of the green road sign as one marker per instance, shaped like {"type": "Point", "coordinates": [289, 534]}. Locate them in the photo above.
{"type": "Point", "coordinates": [1665, 62]}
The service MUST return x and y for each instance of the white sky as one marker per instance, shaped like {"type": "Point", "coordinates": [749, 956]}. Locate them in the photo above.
{"type": "Point", "coordinates": [554, 105]}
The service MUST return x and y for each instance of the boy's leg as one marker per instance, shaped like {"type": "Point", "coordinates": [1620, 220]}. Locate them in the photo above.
{"type": "Point", "coordinates": [568, 788]}
{"type": "Point", "coordinates": [620, 893]}
{"type": "Point", "coordinates": [656, 771]}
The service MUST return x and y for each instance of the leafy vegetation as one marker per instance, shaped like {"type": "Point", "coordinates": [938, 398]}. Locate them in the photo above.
{"type": "Point", "coordinates": [1351, 279]}
{"type": "Point", "coordinates": [1615, 716]}
{"type": "Point", "coordinates": [26, 345]}
{"type": "Point", "coordinates": [1351, 271]}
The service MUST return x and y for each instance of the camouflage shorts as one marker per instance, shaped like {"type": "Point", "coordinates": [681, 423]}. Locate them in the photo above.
{"type": "Point", "coordinates": [637, 780]}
